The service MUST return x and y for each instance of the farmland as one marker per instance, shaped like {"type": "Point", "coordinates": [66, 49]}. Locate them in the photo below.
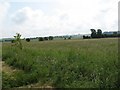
{"type": "Point", "coordinates": [89, 63]}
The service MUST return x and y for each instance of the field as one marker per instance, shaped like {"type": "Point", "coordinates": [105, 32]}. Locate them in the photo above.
{"type": "Point", "coordinates": [89, 63]}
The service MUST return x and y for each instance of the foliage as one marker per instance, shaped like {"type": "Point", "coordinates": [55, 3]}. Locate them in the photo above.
{"type": "Point", "coordinates": [86, 37]}
{"type": "Point", "coordinates": [17, 41]}
{"type": "Point", "coordinates": [96, 34]}
{"type": "Point", "coordinates": [50, 37]}
{"type": "Point", "coordinates": [99, 34]}
{"type": "Point", "coordinates": [41, 39]}
{"type": "Point", "coordinates": [46, 38]}
{"type": "Point", "coordinates": [67, 63]}
{"type": "Point", "coordinates": [28, 39]}
{"type": "Point", "coordinates": [70, 37]}
{"type": "Point", "coordinates": [93, 33]}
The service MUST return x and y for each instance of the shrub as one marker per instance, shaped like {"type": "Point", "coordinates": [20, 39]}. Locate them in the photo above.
{"type": "Point", "coordinates": [41, 39]}
{"type": "Point", "coordinates": [50, 37]}
{"type": "Point", "coordinates": [17, 41]}
{"type": "Point", "coordinates": [28, 39]}
{"type": "Point", "coordinates": [46, 38]}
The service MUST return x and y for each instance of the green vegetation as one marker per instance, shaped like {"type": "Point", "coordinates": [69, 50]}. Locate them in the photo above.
{"type": "Point", "coordinates": [95, 34]}
{"type": "Point", "coordinates": [81, 63]}
{"type": "Point", "coordinates": [17, 40]}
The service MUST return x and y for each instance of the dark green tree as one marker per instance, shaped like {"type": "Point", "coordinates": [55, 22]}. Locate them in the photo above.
{"type": "Point", "coordinates": [28, 39]}
{"type": "Point", "coordinates": [50, 37]}
{"type": "Point", "coordinates": [93, 33]}
{"type": "Point", "coordinates": [70, 37]}
{"type": "Point", "coordinates": [99, 33]}
{"type": "Point", "coordinates": [41, 39]}
{"type": "Point", "coordinates": [46, 38]}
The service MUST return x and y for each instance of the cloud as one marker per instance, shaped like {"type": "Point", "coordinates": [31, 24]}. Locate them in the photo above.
{"type": "Point", "coordinates": [31, 21]}
{"type": "Point", "coordinates": [3, 9]}
{"type": "Point", "coordinates": [32, 0]}
{"type": "Point", "coordinates": [69, 17]}
{"type": "Point", "coordinates": [4, 6]}
{"type": "Point", "coordinates": [20, 16]}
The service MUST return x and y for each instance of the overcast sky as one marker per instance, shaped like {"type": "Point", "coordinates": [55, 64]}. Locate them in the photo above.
{"type": "Point", "coordinates": [57, 17]}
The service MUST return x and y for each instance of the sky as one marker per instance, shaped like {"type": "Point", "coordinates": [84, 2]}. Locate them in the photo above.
{"type": "Point", "coordinates": [33, 18]}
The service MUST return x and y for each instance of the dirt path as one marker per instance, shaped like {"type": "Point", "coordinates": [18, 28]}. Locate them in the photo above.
{"type": "Point", "coordinates": [7, 69]}
{"type": "Point", "coordinates": [0, 66]}
{"type": "Point", "coordinates": [11, 70]}
{"type": "Point", "coordinates": [36, 85]}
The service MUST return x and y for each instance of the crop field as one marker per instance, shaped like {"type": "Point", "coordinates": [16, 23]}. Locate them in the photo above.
{"type": "Point", "coordinates": [84, 63]}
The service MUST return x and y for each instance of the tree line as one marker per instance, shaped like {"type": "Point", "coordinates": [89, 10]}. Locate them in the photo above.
{"type": "Point", "coordinates": [47, 38]}
{"type": "Point", "coordinates": [94, 34]}
{"type": "Point", "coordinates": [98, 34]}
{"type": "Point", "coordinates": [41, 38]}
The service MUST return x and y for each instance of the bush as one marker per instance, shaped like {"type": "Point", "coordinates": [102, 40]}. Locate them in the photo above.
{"type": "Point", "coordinates": [41, 39]}
{"type": "Point", "coordinates": [86, 37]}
{"type": "Point", "coordinates": [28, 39]}
{"type": "Point", "coordinates": [50, 37]}
{"type": "Point", "coordinates": [46, 38]}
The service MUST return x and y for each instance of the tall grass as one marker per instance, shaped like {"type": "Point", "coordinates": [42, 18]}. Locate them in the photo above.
{"type": "Point", "coordinates": [72, 63]}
